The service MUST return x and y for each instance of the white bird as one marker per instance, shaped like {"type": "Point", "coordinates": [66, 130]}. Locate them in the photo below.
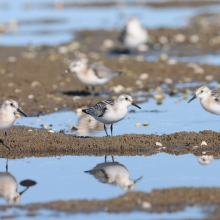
{"type": "Point", "coordinates": [7, 116]}
{"type": "Point", "coordinates": [133, 35]}
{"type": "Point", "coordinates": [94, 74]}
{"type": "Point", "coordinates": [111, 111]}
{"type": "Point", "coordinates": [210, 99]}
{"type": "Point", "coordinates": [113, 173]}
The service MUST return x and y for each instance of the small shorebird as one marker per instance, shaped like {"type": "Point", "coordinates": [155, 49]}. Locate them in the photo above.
{"type": "Point", "coordinates": [111, 111]}
{"type": "Point", "coordinates": [210, 99]}
{"type": "Point", "coordinates": [7, 116]}
{"type": "Point", "coordinates": [113, 173]}
{"type": "Point", "coordinates": [94, 74]}
{"type": "Point", "coordinates": [133, 35]}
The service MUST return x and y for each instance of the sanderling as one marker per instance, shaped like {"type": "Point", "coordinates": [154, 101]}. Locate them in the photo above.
{"type": "Point", "coordinates": [113, 173]}
{"type": "Point", "coordinates": [111, 111]}
{"type": "Point", "coordinates": [133, 35]}
{"type": "Point", "coordinates": [94, 74]}
{"type": "Point", "coordinates": [7, 116]}
{"type": "Point", "coordinates": [210, 99]}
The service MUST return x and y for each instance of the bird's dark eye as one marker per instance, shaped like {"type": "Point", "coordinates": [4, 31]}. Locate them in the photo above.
{"type": "Point", "coordinates": [126, 98]}
{"type": "Point", "coordinates": [201, 90]}
{"type": "Point", "coordinates": [11, 104]}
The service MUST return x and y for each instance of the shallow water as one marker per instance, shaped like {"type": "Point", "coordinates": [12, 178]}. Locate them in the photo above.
{"type": "Point", "coordinates": [64, 178]}
{"type": "Point", "coordinates": [189, 212]}
{"type": "Point", "coordinates": [173, 115]}
{"type": "Point", "coordinates": [32, 30]}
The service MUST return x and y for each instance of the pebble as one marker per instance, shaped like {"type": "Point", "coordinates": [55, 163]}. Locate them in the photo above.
{"type": "Point", "coordinates": [73, 128]}
{"type": "Point", "coordinates": [146, 205]}
{"type": "Point", "coordinates": [163, 57]}
{"type": "Point", "coordinates": [52, 130]}
{"type": "Point", "coordinates": [203, 143]}
{"type": "Point", "coordinates": [12, 59]}
{"type": "Point", "coordinates": [143, 48]}
{"type": "Point", "coordinates": [158, 144]}
{"type": "Point", "coordinates": [46, 125]}
{"type": "Point", "coordinates": [138, 125]}
{"type": "Point", "coordinates": [35, 83]}
{"type": "Point", "coordinates": [180, 38]}
{"type": "Point", "coordinates": [146, 124]}
{"type": "Point", "coordinates": [171, 62]}
{"type": "Point", "coordinates": [209, 77]}
{"type": "Point", "coordinates": [194, 147]}
{"type": "Point", "coordinates": [108, 43]}
{"type": "Point", "coordinates": [144, 76]}
{"type": "Point", "coordinates": [31, 96]}
{"type": "Point", "coordinates": [194, 38]}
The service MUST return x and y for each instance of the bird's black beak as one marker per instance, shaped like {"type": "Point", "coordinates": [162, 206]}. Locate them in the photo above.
{"type": "Point", "coordinates": [134, 104]}
{"type": "Point", "coordinates": [194, 97]}
{"type": "Point", "coordinates": [66, 71]}
{"type": "Point", "coordinates": [138, 179]}
{"type": "Point", "coordinates": [19, 110]}
{"type": "Point", "coordinates": [23, 191]}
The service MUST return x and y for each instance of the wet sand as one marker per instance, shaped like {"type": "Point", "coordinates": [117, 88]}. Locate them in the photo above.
{"type": "Point", "coordinates": [165, 200]}
{"type": "Point", "coordinates": [115, 3]}
{"type": "Point", "coordinates": [34, 142]}
{"type": "Point", "coordinates": [40, 89]}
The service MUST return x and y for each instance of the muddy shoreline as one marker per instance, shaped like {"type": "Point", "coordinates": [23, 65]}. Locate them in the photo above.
{"type": "Point", "coordinates": [164, 200]}
{"type": "Point", "coordinates": [150, 4]}
{"type": "Point", "coordinates": [38, 86]}
{"type": "Point", "coordinates": [33, 142]}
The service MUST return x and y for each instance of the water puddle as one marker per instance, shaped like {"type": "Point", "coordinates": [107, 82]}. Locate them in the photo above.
{"type": "Point", "coordinates": [188, 213]}
{"type": "Point", "coordinates": [163, 119]}
{"type": "Point", "coordinates": [64, 178]}
{"type": "Point", "coordinates": [27, 23]}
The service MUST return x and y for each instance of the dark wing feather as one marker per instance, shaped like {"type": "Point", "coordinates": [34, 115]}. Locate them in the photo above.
{"type": "Point", "coordinates": [99, 109]}
{"type": "Point", "coordinates": [122, 35]}
{"type": "Point", "coordinates": [99, 174]}
{"type": "Point", "coordinates": [216, 95]}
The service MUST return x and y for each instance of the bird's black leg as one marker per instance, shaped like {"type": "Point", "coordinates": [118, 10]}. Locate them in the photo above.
{"type": "Point", "coordinates": [7, 140]}
{"type": "Point", "coordinates": [113, 159]}
{"type": "Point", "coordinates": [105, 158]}
{"type": "Point", "coordinates": [87, 88]}
{"type": "Point", "coordinates": [105, 130]}
{"type": "Point", "coordinates": [111, 129]}
{"type": "Point", "coordinates": [7, 162]}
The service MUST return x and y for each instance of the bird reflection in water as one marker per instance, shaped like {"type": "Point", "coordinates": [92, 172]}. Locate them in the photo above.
{"type": "Point", "coordinates": [88, 125]}
{"type": "Point", "coordinates": [113, 173]}
{"type": "Point", "coordinates": [207, 159]}
{"type": "Point", "coordinates": [8, 187]}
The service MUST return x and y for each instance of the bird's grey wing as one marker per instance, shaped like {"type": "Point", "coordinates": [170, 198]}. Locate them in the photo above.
{"type": "Point", "coordinates": [100, 108]}
{"type": "Point", "coordinates": [102, 71]}
{"type": "Point", "coordinates": [100, 175]}
{"type": "Point", "coordinates": [122, 35]}
{"type": "Point", "coordinates": [216, 95]}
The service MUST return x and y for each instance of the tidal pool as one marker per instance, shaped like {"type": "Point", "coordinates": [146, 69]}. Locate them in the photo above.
{"type": "Point", "coordinates": [173, 115]}
{"type": "Point", "coordinates": [64, 178]}
{"type": "Point", "coordinates": [31, 28]}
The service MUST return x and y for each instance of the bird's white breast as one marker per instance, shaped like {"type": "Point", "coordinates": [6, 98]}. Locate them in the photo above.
{"type": "Point", "coordinates": [211, 106]}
